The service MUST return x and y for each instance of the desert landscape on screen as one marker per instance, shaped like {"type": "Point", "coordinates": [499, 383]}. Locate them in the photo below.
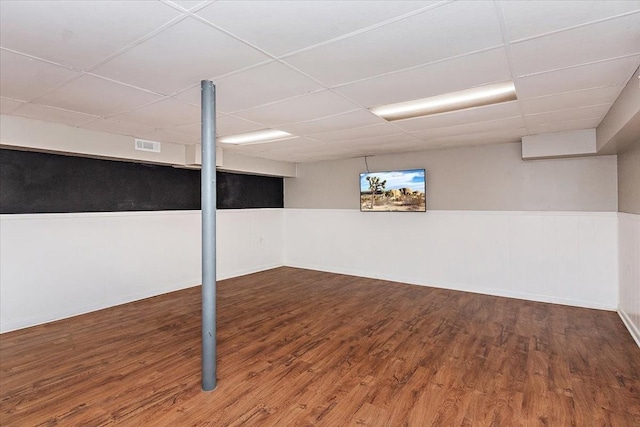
{"type": "Point", "coordinates": [393, 191]}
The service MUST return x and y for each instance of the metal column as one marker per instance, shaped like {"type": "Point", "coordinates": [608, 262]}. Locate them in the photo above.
{"type": "Point", "coordinates": [208, 179]}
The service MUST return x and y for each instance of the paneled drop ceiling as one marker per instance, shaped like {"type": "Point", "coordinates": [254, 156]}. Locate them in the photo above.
{"type": "Point", "coordinates": [312, 68]}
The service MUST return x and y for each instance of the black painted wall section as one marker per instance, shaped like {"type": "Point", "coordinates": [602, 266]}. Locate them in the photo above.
{"type": "Point", "coordinates": [48, 183]}
{"type": "Point", "coordinates": [237, 191]}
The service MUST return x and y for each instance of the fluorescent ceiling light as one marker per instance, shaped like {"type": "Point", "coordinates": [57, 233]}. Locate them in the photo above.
{"type": "Point", "coordinates": [476, 97]}
{"type": "Point", "coordinates": [263, 135]}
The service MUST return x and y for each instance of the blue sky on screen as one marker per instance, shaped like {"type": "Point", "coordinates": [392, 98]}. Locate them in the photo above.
{"type": "Point", "coordinates": [413, 179]}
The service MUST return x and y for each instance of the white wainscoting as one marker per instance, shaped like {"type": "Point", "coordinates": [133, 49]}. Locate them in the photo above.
{"type": "Point", "coordinates": [59, 265]}
{"type": "Point", "coordinates": [559, 257]}
{"type": "Point", "coordinates": [248, 240]}
{"type": "Point", "coordinates": [629, 262]}
{"type": "Point", "coordinates": [54, 266]}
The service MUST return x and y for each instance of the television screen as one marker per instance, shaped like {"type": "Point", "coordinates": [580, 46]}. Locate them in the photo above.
{"type": "Point", "coordinates": [393, 191]}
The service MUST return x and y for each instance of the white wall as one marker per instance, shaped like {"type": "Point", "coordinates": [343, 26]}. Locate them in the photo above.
{"type": "Point", "coordinates": [621, 126]}
{"type": "Point", "coordinates": [560, 257]}
{"type": "Point", "coordinates": [248, 240]}
{"type": "Point", "coordinates": [34, 135]}
{"type": "Point", "coordinates": [478, 178]}
{"type": "Point", "coordinates": [59, 265]}
{"type": "Point", "coordinates": [629, 264]}
{"type": "Point", "coordinates": [629, 179]}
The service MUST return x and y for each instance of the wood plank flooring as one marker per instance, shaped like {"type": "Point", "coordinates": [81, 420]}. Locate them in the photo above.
{"type": "Point", "coordinates": [302, 348]}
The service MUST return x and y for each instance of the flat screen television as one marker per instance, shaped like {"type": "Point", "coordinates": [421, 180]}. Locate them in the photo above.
{"type": "Point", "coordinates": [394, 191]}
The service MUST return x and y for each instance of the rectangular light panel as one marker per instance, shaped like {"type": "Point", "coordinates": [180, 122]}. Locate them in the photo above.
{"type": "Point", "coordinates": [468, 98]}
{"type": "Point", "coordinates": [262, 135]}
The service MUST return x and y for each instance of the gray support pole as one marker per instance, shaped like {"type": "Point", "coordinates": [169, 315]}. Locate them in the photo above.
{"type": "Point", "coordinates": [208, 179]}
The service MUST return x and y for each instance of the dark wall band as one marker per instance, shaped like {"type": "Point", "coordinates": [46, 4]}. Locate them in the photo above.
{"type": "Point", "coordinates": [47, 183]}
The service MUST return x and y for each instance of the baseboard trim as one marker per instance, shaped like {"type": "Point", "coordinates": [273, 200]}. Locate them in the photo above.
{"type": "Point", "coordinates": [635, 333]}
{"type": "Point", "coordinates": [461, 287]}
{"type": "Point", "coordinates": [245, 271]}
{"type": "Point", "coordinates": [35, 321]}
{"type": "Point", "coordinates": [99, 305]}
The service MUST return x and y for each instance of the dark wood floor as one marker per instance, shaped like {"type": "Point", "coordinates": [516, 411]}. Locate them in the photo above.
{"type": "Point", "coordinates": [299, 347]}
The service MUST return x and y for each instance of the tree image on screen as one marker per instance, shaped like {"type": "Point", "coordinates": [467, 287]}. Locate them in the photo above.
{"type": "Point", "coordinates": [375, 186]}
{"type": "Point", "coordinates": [393, 191]}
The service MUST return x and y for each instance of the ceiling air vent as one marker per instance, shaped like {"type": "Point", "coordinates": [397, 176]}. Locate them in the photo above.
{"type": "Point", "coordinates": [144, 145]}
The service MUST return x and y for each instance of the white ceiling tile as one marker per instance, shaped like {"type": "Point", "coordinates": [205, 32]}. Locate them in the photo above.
{"type": "Point", "coordinates": [225, 125]}
{"type": "Point", "coordinates": [81, 95]}
{"type": "Point", "coordinates": [456, 118]}
{"type": "Point", "coordinates": [279, 27]}
{"type": "Point", "coordinates": [190, 4]}
{"type": "Point", "coordinates": [429, 80]}
{"type": "Point", "coordinates": [306, 153]}
{"type": "Point", "coordinates": [25, 78]}
{"type": "Point", "coordinates": [313, 106]}
{"type": "Point", "coordinates": [415, 53]}
{"type": "Point", "coordinates": [284, 144]}
{"type": "Point", "coordinates": [167, 113]}
{"type": "Point", "coordinates": [7, 105]}
{"type": "Point", "coordinates": [164, 135]}
{"type": "Point", "coordinates": [353, 119]}
{"type": "Point", "coordinates": [264, 84]}
{"type": "Point", "coordinates": [508, 124]}
{"type": "Point", "coordinates": [78, 33]}
{"type": "Point", "coordinates": [388, 142]}
{"type": "Point", "coordinates": [302, 146]}
{"type": "Point", "coordinates": [361, 148]}
{"type": "Point", "coordinates": [298, 144]}
{"type": "Point", "coordinates": [383, 129]}
{"type": "Point", "coordinates": [569, 100]}
{"type": "Point", "coordinates": [231, 125]}
{"type": "Point", "coordinates": [444, 32]}
{"type": "Point", "coordinates": [531, 18]}
{"type": "Point", "coordinates": [192, 95]}
{"type": "Point", "coordinates": [295, 157]}
{"type": "Point", "coordinates": [448, 144]}
{"type": "Point", "coordinates": [379, 151]}
{"type": "Point", "coordinates": [50, 114]}
{"type": "Point", "coordinates": [280, 156]}
{"type": "Point", "coordinates": [328, 156]}
{"type": "Point", "coordinates": [609, 39]}
{"type": "Point", "coordinates": [596, 111]}
{"type": "Point", "coordinates": [192, 129]}
{"type": "Point", "coordinates": [607, 73]}
{"type": "Point", "coordinates": [179, 57]}
{"type": "Point", "coordinates": [116, 126]}
{"type": "Point", "coordinates": [562, 126]}
{"type": "Point", "coordinates": [491, 137]}
{"type": "Point", "coordinates": [261, 85]}
{"type": "Point", "coordinates": [300, 158]}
